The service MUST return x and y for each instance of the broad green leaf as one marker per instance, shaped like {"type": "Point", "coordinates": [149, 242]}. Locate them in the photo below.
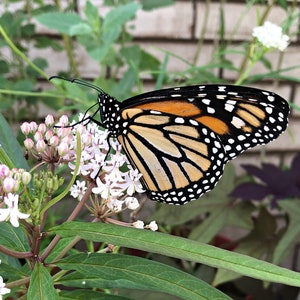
{"type": "Point", "coordinates": [41, 284]}
{"type": "Point", "coordinates": [98, 53]}
{"type": "Point", "coordinates": [80, 28]}
{"type": "Point", "coordinates": [125, 85]}
{"type": "Point", "coordinates": [258, 243]}
{"type": "Point", "coordinates": [125, 269]}
{"type": "Point", "coordinates": [115, 19]}
{"type": "Point", "coordinates": [292, 235]}
{"type": "Point", "coordinates": [182, 248]}
{"type": "Point", "coordinates": [225, 213]}
{"type": "Point", "coordinates": [13, 238]}
{"type": "Point", "coordinates": [92, 15]}
{"type": "Point", "coordinates": [10, 148]}
{"type": "Point", "coordinates": [7, 271]}
{"type": "Point", "coordinates": [61, 245]}
{"type": "Point", "coordinates": [83, 294]}
{"type": "Point", "coordinates": [62, 22]}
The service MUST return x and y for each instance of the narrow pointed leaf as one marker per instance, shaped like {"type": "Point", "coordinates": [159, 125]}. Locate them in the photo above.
{"type": "Point", "coordinates": [150, 274]}
{"type": "Point", "coordinates": [41, 285]}
{"type": "Point", "coordinates": [182, 248]}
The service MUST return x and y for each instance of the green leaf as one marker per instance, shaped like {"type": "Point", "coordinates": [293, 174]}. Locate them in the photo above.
{"type": "Point", "coordinates": [182, 248]}
{"type": "Point", "coordinates": [92, 15]}
{"type": "Point", "coordinates": [62, 22]}
{"type": "Point", "coordinates": [115, 19]}
{"type": "Point", "coordinates": [60, 246]}
{"type": "Point", "coordinates": [83, 294]}
{"type": "Point", "coordinates": [283, 4]}
{"type": "Point", "coordinates": [80, 28]}
{"type": "Point", "coordinates": [153, 4]}
{"type": "Point", "coordinates": [41, 284]}
{"type": "Point", "coordinates": [13, 238]}
{"type": "Point", "coordinates": [7, 271]}
{"type": "Point", "coordinates": [260, 242]}
{"type": "Point", "coordinates": [10, 153]}
{"type": "Point", "coordinates": [152, 275]}
{"type": "Point", "coordinates": [292, 235]}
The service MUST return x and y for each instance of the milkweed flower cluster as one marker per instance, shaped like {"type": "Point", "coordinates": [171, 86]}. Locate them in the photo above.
{"type": "Point", "coordinates": [115, 185]}
{"type": "Point", "coordinates": [56, 144]}
{"type": "Point", "coordinates": [11, 182]}
{"type": "Point", "coordinates": [46, 143]}
{"type": "Point", "coordinates": [271, 36]}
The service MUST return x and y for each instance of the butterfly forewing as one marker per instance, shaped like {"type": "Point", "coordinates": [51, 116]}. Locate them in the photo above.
{"type": "Point", "coordinates": [242, 117]}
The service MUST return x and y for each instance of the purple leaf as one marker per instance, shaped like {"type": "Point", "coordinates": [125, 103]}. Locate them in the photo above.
{"type": "Point", "coordinates": [250, 191]}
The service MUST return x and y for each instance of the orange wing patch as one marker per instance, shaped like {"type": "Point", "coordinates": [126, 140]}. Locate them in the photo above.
{"type": "Point", "coordinates": [216, 125]}
{"type": "Point", "coordinates": [178, 108]}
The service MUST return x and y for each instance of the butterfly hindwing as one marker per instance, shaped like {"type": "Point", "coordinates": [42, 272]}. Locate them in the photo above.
{"type": "Point", "coordinates": [179, 159]}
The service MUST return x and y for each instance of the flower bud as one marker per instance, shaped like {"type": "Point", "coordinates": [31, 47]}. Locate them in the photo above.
{"type": "Point", "coordinates": [40, 146]}
{"type": "Point", "coordinates": [49, 120]}
{"type": "Point", "coordinates": [26, 177]}
{"type": "Point", "coordinates": [25, 128]}
{"type": "Point", "coordinates": [4, 171]}
{"type": "Point", "coordinates": [63, 149]}
{"type": "Point", "coordinates": [49, 134]}
{"type": "Point", "coordinates": [33, 126]}
{"type": "Point", "coordinates": [28, 143]}
{"type": "Point", "coordinates": [138, 224]}
{"type": "Point", "coordinates": [62, 132]}
{"type": "Point", "coordinates": [54, 141]}
{"type": "Point", "coordinates": [63, 120]}
{"type": "Point", "coordinates": [42, 128]}
{"type": "Point", "coordinates": [9, 184]}
{"type": "Point", "coordinates": [38, 136]}
{"type": "Point", "coordinates": [152, 226]}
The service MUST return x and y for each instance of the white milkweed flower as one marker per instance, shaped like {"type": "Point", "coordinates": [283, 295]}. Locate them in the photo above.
{"type": "Point", "coordinates": [138, 224]}
{"type": "Point", "coordinates": [78, 189]}
{"type": "Point", "coordinates": [12, 211]}
{"type": "Point", "coordinates": [152, 226]}
{"type": "Point", "coordinates": [3, 289]}
{"type": "Point", "coordinates": [270, 35]}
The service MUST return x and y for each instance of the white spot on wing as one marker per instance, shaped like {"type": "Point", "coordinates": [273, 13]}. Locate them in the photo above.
{"type": "Point", "coordinates": [237, 122]}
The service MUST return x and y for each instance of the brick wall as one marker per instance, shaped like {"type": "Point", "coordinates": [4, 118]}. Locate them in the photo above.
{"type": "Point", "coordinates": [176, 28]}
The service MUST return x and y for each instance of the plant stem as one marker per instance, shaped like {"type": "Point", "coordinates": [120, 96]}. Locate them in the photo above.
{"type": "Point", "coordinates": [21, 54]}
{"type": "Point", "coordinates": [73, 215]}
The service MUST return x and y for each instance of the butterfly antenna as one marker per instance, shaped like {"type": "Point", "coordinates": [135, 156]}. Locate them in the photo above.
{"type": "Point", "coordinates": [87, 84]}
{"type": "Point", "coordinates": [80, 82]}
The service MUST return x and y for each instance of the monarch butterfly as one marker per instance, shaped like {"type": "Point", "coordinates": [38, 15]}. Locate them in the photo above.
{"type": "Point", "coordinates": [181, 138]}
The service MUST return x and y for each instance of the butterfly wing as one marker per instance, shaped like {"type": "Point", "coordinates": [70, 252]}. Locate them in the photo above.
{"type": "Point", "coordinates": [242, 117]}
{"type": "Point", "coordinates": [178, 157]}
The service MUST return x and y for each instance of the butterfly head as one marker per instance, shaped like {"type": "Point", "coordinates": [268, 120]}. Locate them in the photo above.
{"type": "Point", "coordinates": [107, 106]}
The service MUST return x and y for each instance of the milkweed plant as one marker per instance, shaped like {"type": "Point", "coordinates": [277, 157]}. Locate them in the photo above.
{"type": "Point", "coordinates": [70, 225]}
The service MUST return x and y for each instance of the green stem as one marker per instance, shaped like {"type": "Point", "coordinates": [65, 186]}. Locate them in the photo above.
{"type": "Point", "coordinates": [246, 67]}
{"type": "Point", "coordinates": [66, 191]}
{"type": "Point", "coordinates": [203, 31]}
{"type": "Point", "coordinates": [31, 94]}
{"type": "Point", "coordinates": [15, 254]}
{"type": "Point", "coordinates": [71, 218]}
{"type": "Point", "coordinates": [20, 54]}
{"type": "Point", "coordinates": [69, 47]}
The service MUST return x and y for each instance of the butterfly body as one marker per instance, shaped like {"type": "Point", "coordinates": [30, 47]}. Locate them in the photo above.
{"type": "Point", "coordinates": [181, 138]}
